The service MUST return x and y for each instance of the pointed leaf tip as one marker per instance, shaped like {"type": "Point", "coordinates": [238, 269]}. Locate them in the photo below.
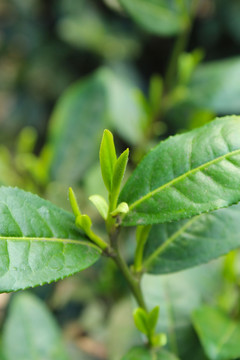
{"type": "Point", "coordinates": [73, 202]}
{"type": "Point", "coordinates": [108, 158]}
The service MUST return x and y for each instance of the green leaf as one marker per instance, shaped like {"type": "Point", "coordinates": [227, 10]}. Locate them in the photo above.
{"type": "Point", "coordinates": [178, 295]}
{"type": "Point", "coordinates": [141, 353]}
{"type": "Point", "coordinates": [30, 331]}
{"type": "Point", "coordinates": [108, 158]}
{"type": "Point", "coordinates": [84, 26]}
{"type": "Point", "coordinates": [101, 205]}
{"type": "Point", "coordinates": [118, 173]}
{"type": "Point", "coordinates": [39, 242]}
{"type": "Point", "coordinates": [180, 245]}
{"type": "Point", "coordinates": [141, 320]}
{"type": "Point", "coordinates": [215, 86]}
{"type": "Point", "coordinates": [186, 175]}
{"type": "Point", "coordinates": [121, 94]}
{"type": "Point", "coordinates": [74, 203]}
{"type": "Point", "coordinates": [142, 234]}
{"type": "Point", "coordinates": [160, 17]}
{"type": "Point", "coordinates": [77, 120]}
{"type": "Point", "coordinates": [122, 208]}
{"type": "Point", "coordinates": [84, 222]}
{"type": "Point", "coordinates": [219, 334]}
{"type": "Point", "coordinates": [80, 116]}
{"type": "Point", "coordinates": [153, 317]}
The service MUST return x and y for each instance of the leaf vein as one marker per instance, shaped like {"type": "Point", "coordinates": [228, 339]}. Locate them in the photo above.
{"type": "Point", "coordinates": [181, 177]}
{"type": "Point", "coordinates": [163, 247]}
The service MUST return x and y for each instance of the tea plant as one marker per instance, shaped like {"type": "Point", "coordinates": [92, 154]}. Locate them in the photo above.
{"type": "Point", "coordinates": [181, 202]}
{"type": "Point", "coordinates": [177, 198]}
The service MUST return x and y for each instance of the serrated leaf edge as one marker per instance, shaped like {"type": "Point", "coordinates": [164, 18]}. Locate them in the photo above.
{"type": "Point", "coordinates": [181, 177]}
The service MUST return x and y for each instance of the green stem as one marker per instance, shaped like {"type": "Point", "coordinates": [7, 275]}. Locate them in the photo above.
{"type": "Point", "coordinates": [179, 47]}
{"type": "Point", "coordinates": [133, 282]}
{"type": "Point", "coordinates": [142, 235]}
{"type": "Point", "coordinates": [97, 240]}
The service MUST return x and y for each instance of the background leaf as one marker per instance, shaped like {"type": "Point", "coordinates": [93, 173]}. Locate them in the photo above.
{"type": "Point", "coordinates": [180, 245]}
{"type": "Point", "coordinates": [215, 86]}
{"type": "Point", "coordinates": [161, 17]}
{"type": "Point", "coordinates": [177, 296]}
{"type": "Point", "coordinates": [81, 115]}
{"type": "Point", "coordinates": [212, 89]}
{"type": "Point", "coordinates": [122, 95]}
{"type": "Point", "coordinates": [39, 242]}
{"type": "Point", "coordinates": [186, 175]}
{"type": "Point", "coordinates": [75, 129]}
{"type": "Point", "coordinates": [30, 332]}
{"type": "Point", "coordinates": [141, 353]}
{"type": "Point", "coordinates": [219, 334]}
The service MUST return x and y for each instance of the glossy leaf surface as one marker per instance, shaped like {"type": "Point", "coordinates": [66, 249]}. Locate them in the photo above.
{"type": "Point", "coordinates": [30, 332]}
{"type": "Point", "coordinates": [39, 242]}
{"type": "Point", "coordinates": [140, 353]}
{"type": "Point", "coordinates": [186, 175]}
{"type": "Point", "coordinates": [180, 245]}
{"type": "Point", "coordinates": [219, 334]}
{"type": "Point", "coordinates": [162, 17]}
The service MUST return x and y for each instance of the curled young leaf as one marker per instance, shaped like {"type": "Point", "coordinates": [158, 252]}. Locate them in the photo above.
{"type": "Point", "coordinates": [108, 158]}
{"type": "Point", "coordinates": [141, 320]}
{"type": "Point", "coordinates": [118, 174]}
{"type": "Point", "coordinates": [101, 205]}
{"type": "Point", "coordinates": [122, 208]}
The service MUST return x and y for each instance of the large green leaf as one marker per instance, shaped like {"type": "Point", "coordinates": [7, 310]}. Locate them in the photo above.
{"type": "Point", "coordinates": [178, 295]}
{"type": "Point", "coordinates": [161, 17]}
{"type": "Point", "coordinates": [39, 242]}
{"type": "Point", "coordinates": [219, 334]}
{"type": "Point", "coordinates": [215, 86]}
{"type": "Point", "coordinates": [122, 95]}
{"type": "Point", "coordinates": [75, 128]}
{"type": "Point", "coordinates": [30, 332]}
{"type": "Point", "coordinates": [81, 115]}
{"type": "Point", "coordinates": [179, 245]}
{"type": "Point", "coordinates": [186, 175]}
{"type": "Point", "coordinates": [141, 353]}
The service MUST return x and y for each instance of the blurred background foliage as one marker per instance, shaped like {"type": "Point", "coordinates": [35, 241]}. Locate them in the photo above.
{"type": "Point", "coordinates": [145, 70]}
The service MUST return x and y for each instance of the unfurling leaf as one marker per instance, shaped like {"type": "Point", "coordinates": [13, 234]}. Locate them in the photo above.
{"type": "Point", "coordinates": [101, 205]}
{"type": "Point", "coordinates": [108, 158]}
{"type": "Point", "coordinates": [121, 209]}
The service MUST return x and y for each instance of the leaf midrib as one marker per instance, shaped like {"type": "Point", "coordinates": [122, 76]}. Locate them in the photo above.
{"type": "Point", "coordinates": [166, 243]}
{"type": "Point", "coordinates": [46, 239]}
{"type": "Point", "coordinates": [181, 177]}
